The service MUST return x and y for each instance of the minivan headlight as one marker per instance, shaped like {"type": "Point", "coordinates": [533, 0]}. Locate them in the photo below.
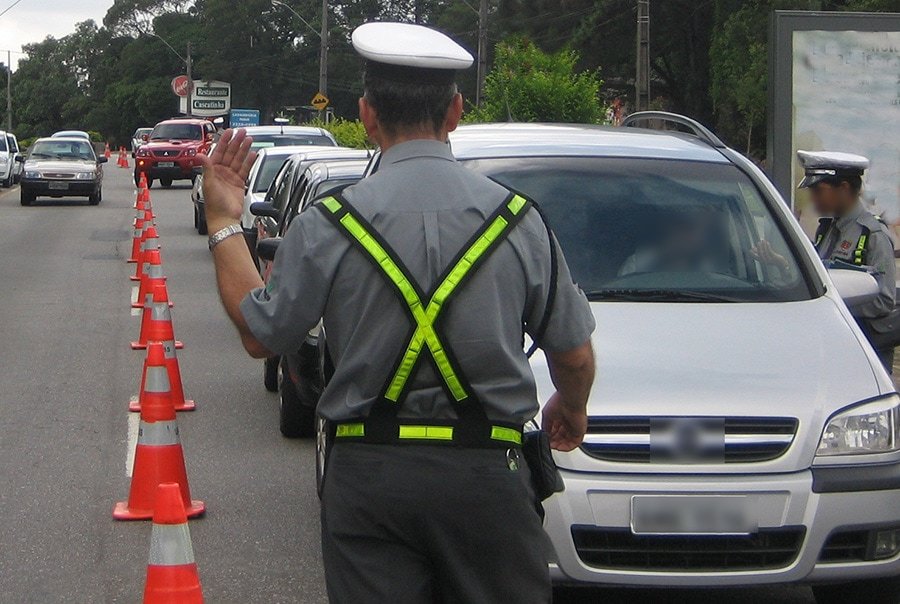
{"type": "Point", "coordinates": [872, 427]}
{"type": "Point", "coordinates": [32, 174]}
{"type": "Point", "coordinates": [86, 175]}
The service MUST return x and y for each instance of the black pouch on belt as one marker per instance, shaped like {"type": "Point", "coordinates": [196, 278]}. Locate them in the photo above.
{"type": "Point", "coordinates": [545, 476]}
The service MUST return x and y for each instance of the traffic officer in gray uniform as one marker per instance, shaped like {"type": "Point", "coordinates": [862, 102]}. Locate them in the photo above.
{"type": "Point", "coordinates": [849, 233]}
{"type": "Point", "coordinates": [427, 277]}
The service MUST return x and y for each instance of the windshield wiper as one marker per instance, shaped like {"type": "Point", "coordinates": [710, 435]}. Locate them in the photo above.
{"type": "Point", "coordinates": [656, 295]}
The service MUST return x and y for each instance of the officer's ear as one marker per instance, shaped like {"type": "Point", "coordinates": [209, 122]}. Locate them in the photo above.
{"type": "Point", "coordinates": [454, 113]}
{"type": "Point", "coordinates": [369, 117]}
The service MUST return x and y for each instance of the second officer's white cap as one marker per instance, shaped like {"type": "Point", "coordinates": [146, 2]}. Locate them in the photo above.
{"type": "Point", "coordinates": [409, 52]}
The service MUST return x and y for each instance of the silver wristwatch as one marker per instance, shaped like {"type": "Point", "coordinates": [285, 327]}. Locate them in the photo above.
{"type": "Point", "coordinates": [220, 236]}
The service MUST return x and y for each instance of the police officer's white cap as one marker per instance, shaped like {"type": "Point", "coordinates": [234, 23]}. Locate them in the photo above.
{"type": "Point", "coordinates": [409, 52]}
{"type": "Point", "coordinates": [830, 165]}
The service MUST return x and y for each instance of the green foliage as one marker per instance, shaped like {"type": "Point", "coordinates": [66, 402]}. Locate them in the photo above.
{"type": "Point", "coordinates": [348, 133]}
{"type": "Point", "coordinates": [527, 84]}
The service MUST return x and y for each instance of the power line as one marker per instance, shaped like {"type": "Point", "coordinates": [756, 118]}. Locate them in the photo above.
{"type": "Point", "coordinates": [9, 8]}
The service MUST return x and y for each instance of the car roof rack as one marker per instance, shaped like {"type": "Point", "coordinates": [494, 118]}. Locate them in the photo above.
{"type": "Point", "coordinates": [694, 127]}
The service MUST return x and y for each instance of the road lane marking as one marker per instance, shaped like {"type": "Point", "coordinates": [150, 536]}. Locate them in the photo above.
{"type": "Point", "coordinates": [134, 424]}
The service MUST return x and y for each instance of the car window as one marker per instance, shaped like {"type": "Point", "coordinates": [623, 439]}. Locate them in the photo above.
{"type": "Point", "coordinates": [3, 146]}
{"type": "Point", "coordinates": [659, 230]}
{"type": "Point", "coordinates": [266, 172]}
{"type": "Point", "coordinates": [189, 132]}
{"type": "Point", "coordinates": [62, 150]}
{"type": "Point", "coordinates": [261, 141]}
{"type": "Point", "coordinates": [12, 144]}
{"type": "Point", "coordinates": [282, 189]}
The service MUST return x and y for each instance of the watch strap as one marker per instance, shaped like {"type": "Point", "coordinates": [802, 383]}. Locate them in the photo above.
{"type": "Point", "coordinates": [221, 235]}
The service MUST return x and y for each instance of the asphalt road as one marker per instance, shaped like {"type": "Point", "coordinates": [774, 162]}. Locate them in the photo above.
{"type": "Point", "coordinates": [67, 374]}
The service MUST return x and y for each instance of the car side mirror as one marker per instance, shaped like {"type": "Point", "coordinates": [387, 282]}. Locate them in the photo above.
{"type": "Point", "coordinates": [855, 287]}
{"type": "Point", "coordinates": [209, 136]}
{"type": "Point", "coordinates": [102, 159]}
{"type": "Point", "coordinates": [21, 159]}
{"type": "Point", "coordinates": [264, 209]}
{"type": "Point", "coordinates": [266, 248]}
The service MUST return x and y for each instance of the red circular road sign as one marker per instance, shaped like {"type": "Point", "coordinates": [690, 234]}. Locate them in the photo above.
{"type": "Point", "coordinates": [180, 85]}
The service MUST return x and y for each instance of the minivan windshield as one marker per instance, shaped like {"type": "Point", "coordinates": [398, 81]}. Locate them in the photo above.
{"type": "Point", "coordinates": [62, 149]}
{"type": "Point", "coordinates": [184, 132]}
{"type": "Point", "coordinates": [659, 230]}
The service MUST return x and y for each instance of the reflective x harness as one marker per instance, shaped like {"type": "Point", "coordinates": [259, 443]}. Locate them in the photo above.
{"type": "Point", "coordinates": [859, 252]}
{"type": "Point", "coordinates": [472, 428]}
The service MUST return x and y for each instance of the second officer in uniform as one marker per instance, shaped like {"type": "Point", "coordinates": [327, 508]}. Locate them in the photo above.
{"type": "Point", "coordinates": [427, 277]}
{"type": "Point", "coordinates": [849, 233]}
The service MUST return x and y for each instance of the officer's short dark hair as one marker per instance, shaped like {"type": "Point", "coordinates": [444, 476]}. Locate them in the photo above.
{"type": "Point", "coordinates": [407, 105]}
{"type": "Point", "coordinates": [855, 182]}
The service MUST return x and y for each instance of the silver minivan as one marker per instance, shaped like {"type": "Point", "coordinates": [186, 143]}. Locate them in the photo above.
{"type": "Point", "coordinates": [742, 431]}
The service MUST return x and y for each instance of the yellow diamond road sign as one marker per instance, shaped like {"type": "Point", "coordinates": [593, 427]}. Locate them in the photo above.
{"type": "Point", "coordinates": [320, 101]}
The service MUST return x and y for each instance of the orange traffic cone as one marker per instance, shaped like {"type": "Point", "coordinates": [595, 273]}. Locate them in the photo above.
{"type": "Point", "coordinates": [158, 307]}
{"type": "Point", "coordinates": [172, 575]}
{"type": "Point", "coordinates": [149, 242]}
{"type": "Point", "coordinates": [123, 158]}
{"type": "Point", "coordinates": [136, 237]}
{"type": "Point", "coordinates": [159, 326]}
{"type": "Point", "coordinates": [142, 181]}
{"type": "Point", "coordinates": [106, 151]}
{"type": "Point", "coordinates": [158, 457]}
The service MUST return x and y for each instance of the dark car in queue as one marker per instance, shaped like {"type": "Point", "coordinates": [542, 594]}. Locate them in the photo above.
{"type": "Point", "coordinates": [171, 150]}
{"type": "Point", "coordinates": [295, 374]}
{"type": "Point", "coordinates": [61, 167]}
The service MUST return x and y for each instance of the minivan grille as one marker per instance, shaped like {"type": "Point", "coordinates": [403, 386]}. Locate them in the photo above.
{"type": "Point", "coordinates": [166, 153]}
{"type": "Point", "coordinates": [688, 439]}
{"type": "Point", "coordinates": [846, 546]}
{"type": "Point", "coordinates": [613, 548]}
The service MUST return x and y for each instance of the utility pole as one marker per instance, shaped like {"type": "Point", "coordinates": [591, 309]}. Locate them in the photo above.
{"type": "Point", "coordinates": [482, 50]}
{"type": "Point", "coordinates": [323, 51]}
{"type": "Point", "coordinates": [642, 76]}
{"type": "Point", "coordinates": [8, 91]}
{"type": "Point", "coordinates": [190, 78]}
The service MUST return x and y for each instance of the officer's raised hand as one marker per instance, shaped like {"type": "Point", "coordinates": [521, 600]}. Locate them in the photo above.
{"type": "Point", "coordinates": [225, 174]}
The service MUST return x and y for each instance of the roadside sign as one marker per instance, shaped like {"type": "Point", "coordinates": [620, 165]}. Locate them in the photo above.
{"type": "Point", "coordinates": [240, 118]}
{"type": "Point", "coordinates": [209, 99]}
{"type": "Point", "coordinates": [320, 101]}
{"type": "Point", "coordinates": [180, 85]}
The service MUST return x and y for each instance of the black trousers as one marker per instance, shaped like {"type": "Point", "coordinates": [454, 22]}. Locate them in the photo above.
{"type": "Point", "coordinates": [422, 524]}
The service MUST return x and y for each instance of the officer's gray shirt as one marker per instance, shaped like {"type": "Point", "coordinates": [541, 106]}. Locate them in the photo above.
{"type": "Point", "coordinates": [839, 243]}
{"type": "Point", "coordinates": [427, 207]}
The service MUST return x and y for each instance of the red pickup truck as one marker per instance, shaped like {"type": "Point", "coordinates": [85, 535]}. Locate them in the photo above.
{"type": "Point", "coordinates": [170, 152]}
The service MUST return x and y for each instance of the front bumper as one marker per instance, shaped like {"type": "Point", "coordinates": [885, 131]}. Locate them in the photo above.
{"type": "Point", "coordinates": [53, 188]}
{"type": "Point", "coordinates": [793, 520]}
{"type": "Point", "coordinates": [181, 168]}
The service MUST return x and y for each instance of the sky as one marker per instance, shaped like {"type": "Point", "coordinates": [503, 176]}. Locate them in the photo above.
{"type": "Point", "coordinates": [33, 20]}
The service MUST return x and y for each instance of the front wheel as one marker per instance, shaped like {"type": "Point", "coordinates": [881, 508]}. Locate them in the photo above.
{"type": "Point", "coordinates": [166, 182]}
{"type": "Point", "coordinates": [96, 197]}
{"type": "Point", "coordinates": [26, 197]}
{"type": "Point", "coordinates": [270, 373]}
{"type": "Point", "coordinates": [872, 591]}
{"type": "Point", "coordinates": [295, 420]}
{"type": "Point", "coordinates": [8, 181]}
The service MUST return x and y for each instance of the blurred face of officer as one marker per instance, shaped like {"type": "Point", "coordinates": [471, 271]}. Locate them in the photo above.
{"type": "Point", "coordinates": [832, 198]}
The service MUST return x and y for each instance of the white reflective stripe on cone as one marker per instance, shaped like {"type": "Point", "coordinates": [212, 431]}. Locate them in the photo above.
{"type": "Point", "coordinates": [170, 545]}
{"type": "Point", "coordinates": [169, 349]}
{"type": "Point", "coordinates": [157, 380]}
{"type": "Point", "coordinates": [161, 311]}
{"type": "Point", "coordinates": [158, 434]}
{"type": "Point", "coordinates": [154, 271]}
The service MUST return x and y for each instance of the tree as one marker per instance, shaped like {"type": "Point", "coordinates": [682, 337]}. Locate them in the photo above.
{"type": "Point", "coordinates": [529, 85]}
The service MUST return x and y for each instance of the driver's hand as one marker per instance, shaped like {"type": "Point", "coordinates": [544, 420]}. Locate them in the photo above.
{"type": "Point", "coordinates": [225, 174]}
{"type": "Point", "coordinates": [764, 253]}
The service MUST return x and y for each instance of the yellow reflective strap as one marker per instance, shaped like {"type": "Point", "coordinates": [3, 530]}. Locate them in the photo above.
{"type": "Point", "coordinates": [426, 432]}
{"type": "Point", "coordinates": [350, 430]}
{"type": "Point", "coordinates": [332, 204]}
{"type": "Point", "coordinates": [510, 435]}
{"type": "Point", "coordinates": [516, 204]}
{"type": "Point", "coordinates": [860, 249]}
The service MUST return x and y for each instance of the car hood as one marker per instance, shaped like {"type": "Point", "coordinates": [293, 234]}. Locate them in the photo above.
{"type": "Point", "coordinates": [59, 166]}
{"type": "Point", "coordinates": [800, 360]}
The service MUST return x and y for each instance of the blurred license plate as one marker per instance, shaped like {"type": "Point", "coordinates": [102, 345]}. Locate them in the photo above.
{"type": "Point", "coordinates": [166, 164]}
{"type": "Point", "coordinates": [58, 186]}
{"type": "Point", "coordinates": [693, 515]}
